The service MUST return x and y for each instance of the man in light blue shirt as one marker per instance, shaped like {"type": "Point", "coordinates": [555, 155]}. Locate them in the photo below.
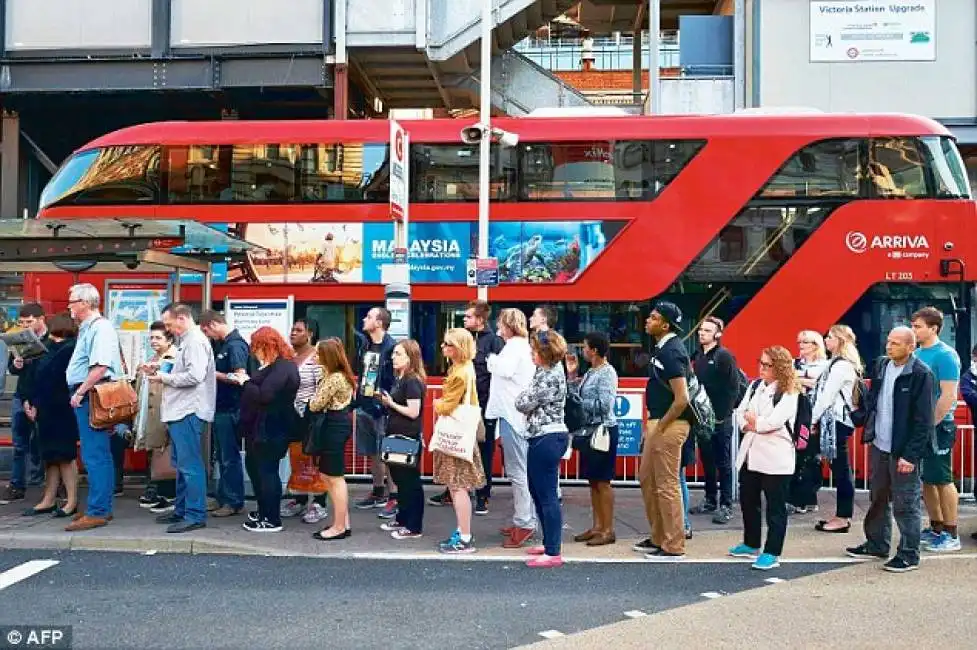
{"type": "Point", "coordinates": [939, 491]}
{"type": "Point", "coordinates": [97, 358]}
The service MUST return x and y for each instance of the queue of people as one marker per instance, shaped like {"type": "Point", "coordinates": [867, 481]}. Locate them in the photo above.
{"type": "Point", "coordinates": [270, 398]}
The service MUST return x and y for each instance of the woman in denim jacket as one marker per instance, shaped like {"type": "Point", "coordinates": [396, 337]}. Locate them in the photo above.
{"type": "Point", "coordinates": [543, 404]}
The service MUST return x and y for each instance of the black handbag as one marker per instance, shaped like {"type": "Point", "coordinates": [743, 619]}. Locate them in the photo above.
{"type": "Point", "coordinates": [310, 425]}
{"type": "Point", "coordinates": [328, 431]}
{"type": "Point", "coordinates": [298, 428]}
{"type": "Point", "coordinates": [401, 450]}
{"type": "Point", "coordinates": [574, 415]}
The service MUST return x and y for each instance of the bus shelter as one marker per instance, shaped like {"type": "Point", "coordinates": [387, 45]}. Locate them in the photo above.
{"type": "Point", "coordinates": [119, 246]}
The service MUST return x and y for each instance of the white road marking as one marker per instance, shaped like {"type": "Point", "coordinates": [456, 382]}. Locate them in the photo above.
{"type": "Point", "coordinates": [774, 581]}
{"type": "Point", "coordinates": [24, 571]}
{"type": "Point", "coordinates": [551, 634]}
{"type": "Point", "coordinates": [150, 552]}
{"type": "Point", "coordinates": [711, 594]}
{"type": "Point", "coordinates": [635, 613]}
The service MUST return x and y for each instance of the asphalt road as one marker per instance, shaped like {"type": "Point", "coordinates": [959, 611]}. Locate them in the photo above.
{"type": "Point", "coordinates": [120, 600]}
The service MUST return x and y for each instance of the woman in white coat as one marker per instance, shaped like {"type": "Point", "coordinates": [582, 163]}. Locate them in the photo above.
{"type": "Point", "coordinates": [766, 455]}
{"type": "Point", "coordinates": [512, 373]}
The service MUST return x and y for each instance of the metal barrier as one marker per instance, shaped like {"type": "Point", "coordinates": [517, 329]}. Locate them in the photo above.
{"type": "Point", "coordinates": [965, 458]}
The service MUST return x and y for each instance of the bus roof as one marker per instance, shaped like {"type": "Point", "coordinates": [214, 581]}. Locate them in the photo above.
{"type": "Point", "coordinates": [536, 129]}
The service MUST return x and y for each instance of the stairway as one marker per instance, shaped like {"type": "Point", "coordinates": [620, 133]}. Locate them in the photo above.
{"type": "Point", "coordinates": [426, 53]}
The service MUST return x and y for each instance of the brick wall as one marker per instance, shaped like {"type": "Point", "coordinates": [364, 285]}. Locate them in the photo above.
{"type": "Point", "coordinates": [607, 79]}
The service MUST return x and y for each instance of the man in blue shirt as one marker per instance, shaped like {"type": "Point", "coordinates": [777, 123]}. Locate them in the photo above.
{"type": "Point", "coordinates": [97, 358]}
{"type": "Point", "coordinates": [231, 354]}
{"type": "Point", "coordinates": [939, 491]}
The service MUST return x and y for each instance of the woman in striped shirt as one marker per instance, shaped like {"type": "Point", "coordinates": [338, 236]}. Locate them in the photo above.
{"type": "Point", "coordinates": [303, 338]}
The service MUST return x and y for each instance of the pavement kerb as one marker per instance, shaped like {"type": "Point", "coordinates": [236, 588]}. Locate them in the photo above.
{"type": "Point", "coordinates": [75, 542]}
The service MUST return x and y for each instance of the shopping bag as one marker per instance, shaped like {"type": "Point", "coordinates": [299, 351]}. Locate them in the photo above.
{"type": "Point", "coordinates": [456, 433]}
{"type": "Point", "coordinates": [305, 477]}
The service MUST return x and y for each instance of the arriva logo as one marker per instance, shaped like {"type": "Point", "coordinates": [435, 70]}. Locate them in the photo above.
{"type": "Point", "coordinates": [858, 242]}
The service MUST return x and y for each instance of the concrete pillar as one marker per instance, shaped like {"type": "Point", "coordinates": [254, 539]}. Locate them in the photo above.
{"type": "Point", "coordinates": [9, 166]}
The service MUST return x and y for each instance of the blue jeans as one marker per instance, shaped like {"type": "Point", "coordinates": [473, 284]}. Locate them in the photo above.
{"type": "Point", "coordinates": [26, 454]}
{"type": "Point", "coordinates": [544, 476]}
{"type": "Point", "coordinates": [191, 475]}
{"type": "Point", "coordinates": [684, 484]}
{"type": "Point", "coordinates": [96, 454]}
{"type": "Point", "coordinates": [230, 486]}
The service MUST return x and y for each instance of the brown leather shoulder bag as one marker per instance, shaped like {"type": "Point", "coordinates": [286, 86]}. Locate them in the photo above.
{"type": "Point", "coordinates": [113, 402]}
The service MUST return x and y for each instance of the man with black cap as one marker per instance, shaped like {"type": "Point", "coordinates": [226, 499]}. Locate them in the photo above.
{"type": "Point", "coordinates": [667, 401]}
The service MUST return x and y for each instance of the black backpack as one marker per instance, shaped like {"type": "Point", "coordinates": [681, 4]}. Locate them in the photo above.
{"type": "Point", "coordinates": [800, 433]}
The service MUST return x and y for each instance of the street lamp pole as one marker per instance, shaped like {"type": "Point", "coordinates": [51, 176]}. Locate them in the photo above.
{"type": "Point", "coordinates": [484, 159]}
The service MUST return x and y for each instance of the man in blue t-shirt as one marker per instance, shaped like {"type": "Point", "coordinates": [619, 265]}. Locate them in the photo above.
{"type": "Point", "coordinates": [939, 491]}
{"type": "Point", "coordinates": [231, 354]}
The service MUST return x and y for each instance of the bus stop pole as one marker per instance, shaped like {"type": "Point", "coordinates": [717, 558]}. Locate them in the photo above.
{"type": "Point", "coordinates": [206, 297]}
{"type": "Point", "coordinates": [654, 69]}
{"type": "Point", "coordinates": [485, 115]}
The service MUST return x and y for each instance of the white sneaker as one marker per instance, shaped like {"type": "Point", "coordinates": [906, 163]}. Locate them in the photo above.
{"type": "Point", "coordinates": [390, 526]}
{"type": "Point", "coordinates": [291, 508]}
{"type": "Point", "coordinates": [315, 514]}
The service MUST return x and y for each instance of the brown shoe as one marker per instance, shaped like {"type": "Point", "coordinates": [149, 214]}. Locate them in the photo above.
{"type": "Point", "coordinates": [213, 505]}
{"type": "Point", "coordinates": [585, 536]}
{"type": "Point", "coordinates": [79, 515]}
{"type": "Point", "coordinates": [86, 523]}
{"type": "Point", "coordinates": [518, 537]}
{"type": "Point", "coordinates": [226, 511]}
{"type": "Point", "coordinates": [602, 539]}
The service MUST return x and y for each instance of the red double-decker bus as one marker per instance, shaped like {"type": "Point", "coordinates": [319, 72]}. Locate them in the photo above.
{"type": "Point", "coordinates": [775, 223]}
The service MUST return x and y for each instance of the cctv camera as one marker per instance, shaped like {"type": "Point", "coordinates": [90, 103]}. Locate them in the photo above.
{"type": "Point", "coordinates": [507, 139]}
{"type": "Point", "coordinates": [948, 246]}
{"type": "Point", "coordinates": [132, 265]}
{"type": "Point", "coordinates": [473, 134]}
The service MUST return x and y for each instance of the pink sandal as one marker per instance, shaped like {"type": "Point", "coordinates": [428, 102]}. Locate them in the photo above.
{"type": "Point", "coordinates": [545, 562]}
{"type": "Point", "coordinates": [535, 550]}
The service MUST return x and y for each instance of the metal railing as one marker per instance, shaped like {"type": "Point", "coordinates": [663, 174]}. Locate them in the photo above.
{"type": "Point", "coordinates": [569, 57]}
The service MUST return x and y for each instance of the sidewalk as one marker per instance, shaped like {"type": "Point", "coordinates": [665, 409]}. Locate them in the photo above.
{"type": "Point", "coordinates": [134, 529]}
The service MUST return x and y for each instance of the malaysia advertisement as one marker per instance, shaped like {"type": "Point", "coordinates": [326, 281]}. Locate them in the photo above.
{"type": "Point", "coordinates": [528, 251]}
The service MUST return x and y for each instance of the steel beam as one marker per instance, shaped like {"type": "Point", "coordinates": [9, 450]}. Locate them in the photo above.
{"type": "Point", "coordinates": [161, 22]}
{"type": "Point", "coordinates": [167, 74]}
{"type": "Point", "coordinates": [327, 26]}
{"type": "Point", "coordinates": [10, 164]}
{"type": "Point", "coordinates": [3, 28]}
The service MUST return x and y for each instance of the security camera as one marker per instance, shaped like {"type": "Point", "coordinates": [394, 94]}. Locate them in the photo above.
{"type": "Point", "coordinates": [948, 246]}
{"type": "Point", "coordinates": [506, 139]}
{"type": "Point", "coordinates": [132, 265]}
{"type": "Point", "coordinates": [473, 134]}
